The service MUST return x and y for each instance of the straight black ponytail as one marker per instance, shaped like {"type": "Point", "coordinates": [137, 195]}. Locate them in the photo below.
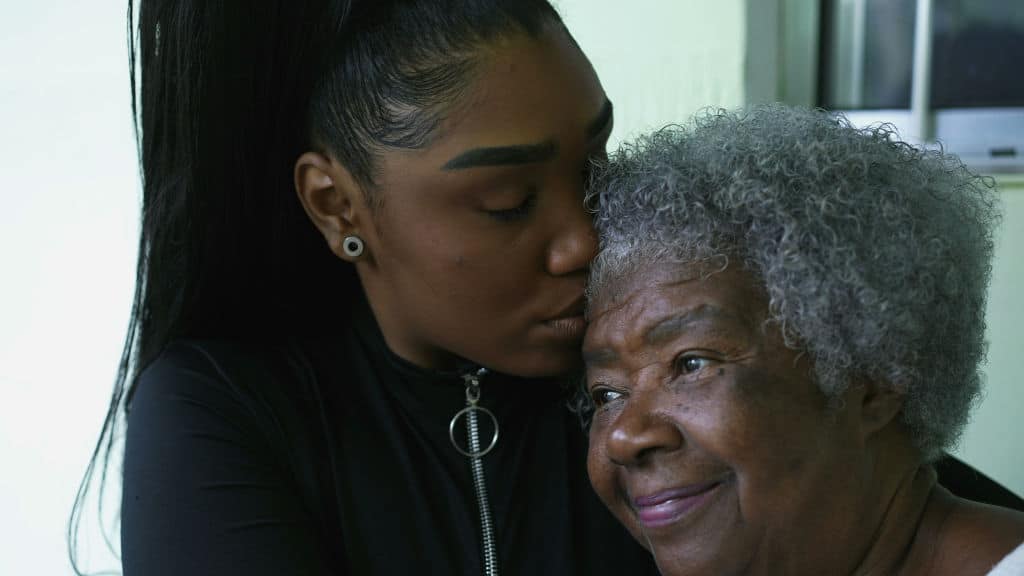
{"type": "Point", "coordinates": [220, 94]}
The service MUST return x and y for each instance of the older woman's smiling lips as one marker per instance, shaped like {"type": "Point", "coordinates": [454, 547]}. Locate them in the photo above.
{"type": "Point", "coordinates": [670, 506]}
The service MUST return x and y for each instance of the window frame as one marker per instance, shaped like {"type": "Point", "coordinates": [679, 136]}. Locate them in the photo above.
{"type": "Point", "coordinates": [784, 63]}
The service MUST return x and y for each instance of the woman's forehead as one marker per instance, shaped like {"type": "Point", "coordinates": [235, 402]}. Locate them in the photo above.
{"type": "Point", "coordinates": [526, 90]}
{"type": "Point", "coordinates": [646, 279]}
{"type": "Point", "coordinates": [662, 298]}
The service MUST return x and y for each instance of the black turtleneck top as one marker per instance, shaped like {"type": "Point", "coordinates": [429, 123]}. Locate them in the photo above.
{"type": "Point", "coordinates": [313, 458]}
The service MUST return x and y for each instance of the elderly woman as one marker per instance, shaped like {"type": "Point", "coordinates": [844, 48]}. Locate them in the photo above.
{"type": "Point", "coordinates": [787, 321]}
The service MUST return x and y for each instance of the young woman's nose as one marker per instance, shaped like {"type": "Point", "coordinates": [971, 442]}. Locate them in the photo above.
{"type": "Point", "coordinates": [640, 433]}
{"type": "Point", "coordinates": [575, 242]}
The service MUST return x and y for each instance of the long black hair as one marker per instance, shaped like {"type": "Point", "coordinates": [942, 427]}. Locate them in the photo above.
{"type": "Point", "coordinates": [226, 95]}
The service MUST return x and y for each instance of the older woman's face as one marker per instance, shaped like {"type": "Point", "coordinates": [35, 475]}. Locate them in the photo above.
{"type": "Point", "coordinates": [710, 440]}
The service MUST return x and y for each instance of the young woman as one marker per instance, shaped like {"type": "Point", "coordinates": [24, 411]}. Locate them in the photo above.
{"type": "Point", "coordinates": [361, 276]}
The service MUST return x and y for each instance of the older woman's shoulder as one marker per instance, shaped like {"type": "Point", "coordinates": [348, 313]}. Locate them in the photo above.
{"type": "Point", "coordinates": [974, 537]}
{"type": "Point", "coordinates": [1011, 565]}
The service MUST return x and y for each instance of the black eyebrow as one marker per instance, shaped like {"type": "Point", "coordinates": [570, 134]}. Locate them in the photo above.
{"type": "Point", "coordinates": [598, 125]}
{"type": "Point", "coordinates": [503, 156]}
{"type": "Point", "coordinates": [525, 153]}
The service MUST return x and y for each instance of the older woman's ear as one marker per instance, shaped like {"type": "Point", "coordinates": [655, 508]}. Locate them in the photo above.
{"type": "Point", "coordinates": [879, 406]}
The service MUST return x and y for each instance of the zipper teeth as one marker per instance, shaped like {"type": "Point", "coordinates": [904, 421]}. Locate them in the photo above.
{"type": "Point", "coordinates": [480, 486]}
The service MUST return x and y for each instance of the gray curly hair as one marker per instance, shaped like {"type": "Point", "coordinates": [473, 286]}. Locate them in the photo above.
{"type": "Point", "coordinates": [875, 255]}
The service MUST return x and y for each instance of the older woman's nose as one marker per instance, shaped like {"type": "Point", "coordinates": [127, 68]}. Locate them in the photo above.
{"type": "Point", "coordinates": [640, 434]}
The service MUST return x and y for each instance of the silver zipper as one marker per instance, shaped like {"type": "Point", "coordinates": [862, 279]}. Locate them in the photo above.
{"type": "Point", "coordinates": [475, 455]}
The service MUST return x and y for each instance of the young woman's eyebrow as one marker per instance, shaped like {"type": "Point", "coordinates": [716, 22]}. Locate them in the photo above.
{"type": "Point", "coordinates": [526, 153]}
{"type": "Point", "coordinates": [503, 155]}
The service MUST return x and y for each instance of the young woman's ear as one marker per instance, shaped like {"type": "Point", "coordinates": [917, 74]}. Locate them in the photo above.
{"type": "Point", "coordinates": [334, 202]}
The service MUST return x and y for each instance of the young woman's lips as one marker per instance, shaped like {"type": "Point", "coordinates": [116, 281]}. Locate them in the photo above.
{"type": "Point", "coordinates": [666, 507]}
{"type": "Point", "coordinates": [570, 322]}
{"type": "Point", "coordinates": [571, 327]}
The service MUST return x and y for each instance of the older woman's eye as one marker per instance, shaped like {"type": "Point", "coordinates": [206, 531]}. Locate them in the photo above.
{"type": "Point", "coordinates": [602, 396]}
{"type": "Point", "coordinates": [691, 364]}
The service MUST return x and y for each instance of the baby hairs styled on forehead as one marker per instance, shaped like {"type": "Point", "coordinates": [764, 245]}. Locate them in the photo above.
{"type": "Point", "coordinates": [875, 255]}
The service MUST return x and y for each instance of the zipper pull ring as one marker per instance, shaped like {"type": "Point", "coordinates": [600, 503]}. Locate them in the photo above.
{"type": "Point", "coordinates": [471, 413]}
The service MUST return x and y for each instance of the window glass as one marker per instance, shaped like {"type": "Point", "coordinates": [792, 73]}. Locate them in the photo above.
{"type": "Point", "coordinates": [869, 53]}
{"type": "Point", "coordinates": [977, 51]}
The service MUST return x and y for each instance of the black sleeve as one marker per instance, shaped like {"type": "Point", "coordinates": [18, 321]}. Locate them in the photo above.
{"type": "Point", "coordinates": [204, 494]}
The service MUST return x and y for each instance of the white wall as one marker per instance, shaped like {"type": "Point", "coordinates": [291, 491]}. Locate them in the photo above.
{"type": "Point", "coordinates": [661, 60]}
{"type": "Point", "coordinates": [992, 441]}
{"type": "Point", "coordinates": [67, 245]}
